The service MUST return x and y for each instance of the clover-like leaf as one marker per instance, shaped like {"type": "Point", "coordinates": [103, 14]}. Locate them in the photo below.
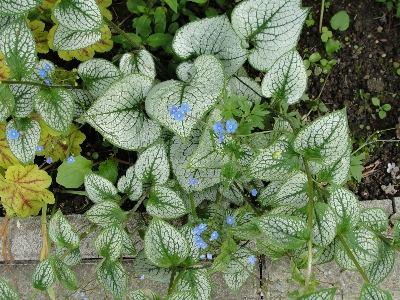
{"type": "Point", "coordinates": [61, 232]}
{"type": "Point", "coordinates": [164, 245]}
{"type": "Point", "coordinates": [286, 79]}
{"type": "Point", "coordinates": [108, 242]}
{"type": "Point", "coordinates": [24, 189]}
{"type": "Point", "coordinates": [378, 270]}
{"type": "Point", "coordinates": [24, 148]}
{"type": "Point", "coordinates": [201, 93]}
{"type": "Point", "coordinates": [211, 36]}
{"type": "Point", "coordinates": [196, 281]}
{"type": "Point", "coordinates": [100, 189]}
{"type": "Point", "coordinates": [165, 203]}
{"type": "Point", "coordinates": [139, 61]}
{"type": "Point", "coordinates": [118, 115]}
{"type": "Point", "coordinates": [371, 292]}
{"type": "Point", "coordinates": [272, 31]}
{"type": "Point", "coordinates": [7, 292]}
{"type": "Point", "coordinates": [62, 38]}
{"type": "Point", "coordinates": [152, 165]}
{"type": "Point", "coordinates": [112, 277]}
{"type": "Point", "coordinates": [44, 275]}
{"type": "Point", "coordinates": [325, 140]}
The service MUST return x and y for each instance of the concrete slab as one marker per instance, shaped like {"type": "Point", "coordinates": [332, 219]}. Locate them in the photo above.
{"type": "Point", "coordinates": [385, 204]}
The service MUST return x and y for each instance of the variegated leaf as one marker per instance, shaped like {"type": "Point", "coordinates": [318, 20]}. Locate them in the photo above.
{"type": "Point", "coordinates": [196, 281]}
{"type": "Point", "coordinates": [143, 266]}
{"type": "Point", "coordinates": [12, 7]}
{"type": "Point", "coordinates": [130, 185]}
{"type": "Point", "coordinates": [7, 292]}
{"type": "Point", "coordinates": [23, 95]}
{"type": "Point", "coordinates": [165, 203]}
{"type": "Point", "coordinates": [273, 30]}
{"type": "Point", "coordinates": [287, 78]}
{"type": "Point", "coordinates": [293, 192]}
{"type": "Point", "coordinates": [128, 247]}
{"type": "Point", "coordinates": [83, 100]}
{"type": "Point", "coordinates": [108, 242]}
{"type": "Point", "coordinates": [152, 165]}
{"type": "Point", "coordinates": [7, 102]}
{"type": "Point", "coordinates": [326, 294]}
{"type": "Point", "coordinates": [67, 40]}
{"type": "Point", "coordinates": [100, 189]}
{"type": "Point", "coordinates": [185, 71]}
{"type": "Point", "coordinates": [106, 213]}
{"type": "Point", "coordinates": [185, 295]}
{"type": "Point", "coordinates": [112, 277]}
{"type": "Point", "coordinates": [325, 140]}
{"type": "Point", "coordinates": [272, 251]}
{"type": "Point", "coordinates": [43, 276]}
{"type": "Point", "coordinates": [24, 148]}
{"type": "Point", "coordinates": [211, 36]}
{"type": "Point", "coordinates": [336, 173]}
{"type": "Point", "coordinates": [375, 218]}
{"type": "Point", "coordinates": [65, 275]}
{"type": "Point", "coordinates": [268, 193]}
{"type": "Point", "coordinates": [118, 114]}
{"type": "Point", "coordinates": [194, 252]}
{"type": "Point", "coordinates": [378, 270]}
{"type": "Point", "coordinates": [199, 94]}
{"type": "Point", "coordinates": [233, 194]}
{"type": "Point", "coordinates": [143, 294]}
{"type": "Point", "coordinates": [139, 61]}
{"type": "Point", "coordinates": [244, 86]}
{"type": "Point", "coordinates": [324, 225]}
{"type": "Point", "coordinates": [370, 292]}
{"type": "Point", "coordinates": [327, 254]}
{"type": "Point", "coordinates": [164, 245]}
{"type": "Point", "coordinates": [72, 259]}
{"type": "Point", "coordinates": [61, 232]}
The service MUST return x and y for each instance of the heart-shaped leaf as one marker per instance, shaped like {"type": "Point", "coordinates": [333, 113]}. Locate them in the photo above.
{"type": "Point", "coordinates": [244, 86]}
{"type": "Point", "coordinates": [201, 93]}
{"type": "Point", "coordinates": [165, 203]}
{"type": "Point", "coordinates": [294, 192]}
{"type": "Point", "coordinates": [196, 281]}
{"type": "Point", "coordinates": [66, 39]}
{"type": "Point", "coordinates": [324, 225]}
{"type": "Point", "coordinates": [61, 232]}
{"type": "Point", "coordinates": [129, 184]}
{"type": "Point", "coordinates": [378, 270]}
{"type": "Point", "coordinates": [143, 266]}
{"type": "Point", "coordinates": [152, 165]}
{"type": "Point", "coordinates": [106, 213]}
{"type": "Point", "coordinates": [113, 278]}
{"type": "Point", "coordinates": [23, 95]}
{"type": "Point", "coordinates": [11, 7]}
{"type": "Point", "coordinates": [326, 294]}
{"type": "Point", "coordinates": [375, 218]}
{"type": "Point", "coordinates": [118, 115]}
{"type": "Point", "coordinates": [44, 275]}
{"type": "Point", "coordinates": [108, 243]}
{"type": "Point", "coordinates": [100, 189]}
{"type": "Point", "coordinates": [139, 61]}
{"type": "Point", "coordinates": [194, 251]}
{"type": "Point", "coordinates": [65, 275]}
{"type": "Point", "coordinates": [370, 292]}
{"type": "Point", "coordinates": [336, 173]}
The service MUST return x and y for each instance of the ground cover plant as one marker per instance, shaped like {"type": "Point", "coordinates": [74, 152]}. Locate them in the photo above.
{"type": "Point", "coordinates": [217, 152]}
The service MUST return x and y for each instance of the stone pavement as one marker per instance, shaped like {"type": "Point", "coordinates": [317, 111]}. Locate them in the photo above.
{"type": "Point", "coordinates": [26, 245]}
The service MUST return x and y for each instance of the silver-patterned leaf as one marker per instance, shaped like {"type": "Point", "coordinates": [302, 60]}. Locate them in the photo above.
{"type": "Point", "coordinates": [73, 258]}
{"type": "Point", "coordinates": [152, 165]}
{"type": "Point", "coordinates": [293, 192]}
{"type": "Point", "coordinates": [165, 203]}
{"type": "Point", "coordinates": [7, 102]}
{"type": "Point", "coordinates": [267, 194]}
{"type": "Point", "coordinates": [143, 266]}
{"type": "Point", "coordinates": [83, 100]}
{"type": "Point", "coordinates": [346, 206]}
{"type": "Point", "coordinates": [336, 173]}
{"type": "Point", "coordinates": [56, 108]}
{"type": "Point", "coordinates": [139, 61]}
{"type": "Point", "coordinates": [375, 218]}
{"type": "Point", "coordinates": [278, 162]}
{"type": "Point", "coordinates": [65, 275]}
{"type": "Point", "coordinates": [194, 252]}
{"type": "Point", "coordinates": [370, 292]}
{"type": "Point", "coordinates": [68, 40]}
{"type": "Point", "coordinates": [233, 194]}
{"type": "Point", "coordinates": [235, 275]}
{"type": "Point", "coordinates": [112, 277]}
{"type": "Point", "coordinates": [211, 36]}
{"type": "Point", "coordinates": [272, 27]}
{"type": "Point", "coordinates": [118, 115]}
{"type": "Point", "coordinates": [23, 95]}
{"type": "Point", "coordinates": [185, 295]}
{"type": "Point", "coordinates": [244, 86]}
{"type": "Point", "coordinates": [24, 147]}
{"type": "Point", "coordinates": [44, 275]}
{"type": "Point", "coordinates": [326, 294]}
{"type": "Point", "coordinates": [7, 292]}
{"type": "Point", "coordinates": [180, 154]}
{"type": "Point", "coordinates": [327, 254]}
{"type": "Point", "coordinates": [325, 140]}
{"type": "Point", "coordinates": [100, 189]}
{"type": "Point", "coordinates": [378, 270]}
{"type": "Point", "coordinates": [164, 245]}
{"type": "Point", "coordinates": [185, 71]}
{"type": "Point", "coordinates": [324, 225]}
{"type": "Point", "coordinates": [143, 294]}
{"type": "Point", "coordinates": [196, 281]}
{"type": "Point", "coordinates": [108, 242]}
{"type": "Point", "coordinates": [363, 246]}
{"type": "Point", "coordinates": [106, 213]}
{"type": "Point", "coordinates": [128, 247]}
{"type": "Point", "coordinates": [130, 185]}
{"type": "Point", "coordinates": [12, 7]}
{"type": "Point", "coordinates": [287, 78]}
{"type": "Point", "coordinates": [61, 231]}
{"type": "Point", "coordinates": [201, 93]}
{"type": "Point", "coordinates": [272, 251]}
{"type": "Point", "coordinates": [80, 15]}
{"type": "Point", "coordinates": [284, 231]}
{"type": "Point", "coordinates": [19, 48]}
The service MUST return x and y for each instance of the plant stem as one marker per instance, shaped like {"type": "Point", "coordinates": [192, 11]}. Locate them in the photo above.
{"type": "Point", "coordinates": [192, 206]}
{"type": "Point", "coordinates": [321, 16]}
{"type": "Point", "coordinates": [171, 281]}
{"type": "Point", "coordinates": [44, 253]}
{"type": "Point", "coordinates": [173, 286]}
{"type": "Point", "coordinates": [83, 193]}
{"type": "Point", "coordinates": [132, 211]}
{"type": "Point", "coordinates": [40, 84]}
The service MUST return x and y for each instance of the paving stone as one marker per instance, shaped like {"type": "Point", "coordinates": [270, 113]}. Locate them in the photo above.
{"type": "Point", "coordinates": [385, 204]}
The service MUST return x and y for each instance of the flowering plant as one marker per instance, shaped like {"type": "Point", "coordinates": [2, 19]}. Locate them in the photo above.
{"type": "Point", "coordinates": [238, 167]}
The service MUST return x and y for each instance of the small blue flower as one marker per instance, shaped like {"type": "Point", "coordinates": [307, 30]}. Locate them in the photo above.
{"type": "Point", "coordinates": [254, 192]}
{"type": "Point", "coordinates": [141, 277]}
{"type": "Point", "coordinates": [75, 239]}
{"type": "Point", "coordinates": [70, 159]}
{"type": "Point", "coordinates": [179, 115]}
{"type": "Point", "coordinates": [172, 110]}
{"type": "Point", "coordinates": [185, 108]}
{"type": "Point", "coordinates": [13, 134]}
{"type": "Point", "coordinates": [221, 138]}
{"type": "Point", "coordinates": [197, 239]}
{"type": "Point", "coordinates": [203, 227]}
{"type": "Point", "coordinates": [86, 298]}
{"type": "Point", "coordinates": [192, 180]}
{"type": "Point", "coordinates": [252, 259]}
{"type": "Point", "coordinates": [202, 256]}
{"type": "Point", "coordinates": [218, 127]}
{"type": "Point", "coordinates": [47, 82]}
{"type": "Point", "coordinates": [82, 294]}
{"type": "Point", "coordinates": [197, 231]}
{"type": "Point", "coordinates": [42, 74]}
{"type": "Point", "coordinates": [209, 256]}
{"type": "Point", "coordinates": [49, 160]}
{"type": "Point", "coordinates": [47, 67]}
{"type": "Point", "coordinates": [39, 149]}
{"type": "Point", "coordinates": [278, 286]}
{"type": "Point", "coordinates": [230, 220]}
{"type": "Point", "coordinates": [214, 236]}
{"type": "Point", "coordinates": [202, 245]}
{"type": "Point", "coordinates": [231, 126]}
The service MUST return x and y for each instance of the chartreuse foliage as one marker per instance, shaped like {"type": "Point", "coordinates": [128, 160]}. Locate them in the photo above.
{"type": "Point", "coordinates": [217, 153]}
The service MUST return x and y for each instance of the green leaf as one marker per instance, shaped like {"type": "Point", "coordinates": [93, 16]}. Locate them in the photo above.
{"type": "Point", "coordinates": [7, 292]}
{"type": "Point", "coordinates": [244, 86]}
{"type": "Point", "coordinates": [375, 101]}
{"type": "Point", "coordinates": [198, 93]}
{"type": "Point", "coordinates": [56, 108]}
{"type": "Point", "coordinates": [286, 79]}
{"type": "Point", "coordinates": [363, 246]}
{"type": "Point", "coordinates": [173, 4]}
{"type": "Point", "coordinates": [65, 275]}
{"type": "Point", "coordinates": [267, 194]}
{"type": "Point", "coordinates": [160, 20]}
{"type": "Point", "coordinates": [142, 25]}
{"type": "Point", "coordinates": [185, 295]}
{"type": "Point", "coordinates": [165, 203]}
{"type": "Point", "coordinates": [72, 175]}
{"type": "Point", "coordinates": [143, 294]}
{"type": "Point", "coordinates": [211, 36]}
{"type": "Point", "coordinates": [340, 21]}
{"type": "Point", "coordinates": [19, 47]}
{"type": "Point", "coordinates": [284, 231]}
{"type": "Point", "coordinates": [12, 7]}
{"type": "Point", "coordinates": [273, 31]}
{"type": "Point", "coordinates": [370, 292]}
{"type": "Point", "coordinates": [159, 39]}
{"type": "Point", "coordinates": [314, 57]}
{"type": "Point", "coordinates": [128, 247]}
{"type": "Point", "coordinates": [130, 185]}
{"type": "Point", "coordinates": [272, 251]}
{"type": "Point", "coordinates": [327, 254]}
{"type": "Point", "coordinates": [247, 231]}
{"type": "Point", "coordinates": [7, 102]}
{"type": "Point", "coordinates": [100, 189]}
{"type": "Point", "coordinates": [198, 282]}
{"type": "Point", "coordinates": [326, 294]}
{"type": "Point", "coordinates": [106, 213]}
{"type": "Point", "coordinates": [23, 95]}
{"type": "Point", "coordinates": [61, 232]}
{"type": "Point", "coordinates": [386, 107]}
{"type": "Point", "coordinates": [119, 117]}
{"type": "Point", "coordinates": [98, 74]}
{"type": "Point", "coordinates": [375, 218]}
{"type": "Point", "coordinates": [78, 15]}
{"type": "Point", "coordinates": [67, 39]}
{"type": "Point", "coordinates": [112, 277]}
{"type": "Point", "coordinates": [139, 61]}
{"type": "Point", "coordinates": [109, 170]}
{"type": "Point", "coordinates": [108, 242]}
{"type": "Point", "coordinates": [152, 165]}
{"type": "Point", "coordinates": [194, 252]}
{"type": "Point", "coordinates": [380, 269]}
{"type": "Point", "coordinates": [336, 173]}
{"type": "Point", "coordinates": [72, 259]}
{"type": "Point", "coordinates": [143, 266]}
{"type": "Point", "coordinates": [396, 233]}
{"type": "Point", "coordinates": [382, 114]}
{"type": "Point", "coordinates": [136, 6]}
{"type": "Point", "coordinates": [325, 140]}
{"type": "Point", "coordinates": [24, 148]}
{"type": "Point", "coordinates": [164, 245]}
{"type": "Point", "coordinates": [83, 99]}
{"type": "Point", "coordinates": [324, 225]}
{"type": "Point", "coordinates": [332, 46]}
{"type": "Point", "coordinates": [43, 276]}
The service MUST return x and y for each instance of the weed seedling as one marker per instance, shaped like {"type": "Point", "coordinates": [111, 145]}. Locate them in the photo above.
{"type": "Point", "coordinates": [381, 110]}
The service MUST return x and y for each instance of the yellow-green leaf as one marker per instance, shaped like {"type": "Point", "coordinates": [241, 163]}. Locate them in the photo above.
{"type": "Point", "coordinates": [6, 157]}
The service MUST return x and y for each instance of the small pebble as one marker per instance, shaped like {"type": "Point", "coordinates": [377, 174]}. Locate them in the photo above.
{"type": "Point", "coordinates": [379, 29]}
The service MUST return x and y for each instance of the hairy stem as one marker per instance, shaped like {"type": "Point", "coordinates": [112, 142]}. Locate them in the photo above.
{"type": "Point", "coordinates": [321, 16]}
{"type": "Point", "coordinates": [40, 84]}
{"type": "Point", "coordinates": [171, 281]}
{"type": "Point", "coordinates": [192, 206]}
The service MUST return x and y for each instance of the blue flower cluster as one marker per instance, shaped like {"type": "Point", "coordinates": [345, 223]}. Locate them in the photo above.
{"type": "Point", "coordinates": [197, 238]}
{"type": "Point", "coordinates": [179, 113]}
{"type": "Point", "coordinates": [43, 74]}
{"type": "Point", "coordinates": [218, 127]}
